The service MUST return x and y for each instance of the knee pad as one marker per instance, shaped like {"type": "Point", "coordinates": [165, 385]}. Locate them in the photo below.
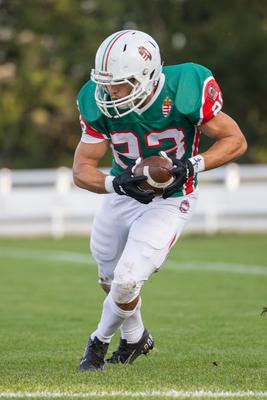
{"type": "Point", "coordinates": [124, 288]}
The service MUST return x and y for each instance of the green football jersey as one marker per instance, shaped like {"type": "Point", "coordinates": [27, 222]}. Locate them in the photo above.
{"type": "Point", "coordinates": [186, 97]}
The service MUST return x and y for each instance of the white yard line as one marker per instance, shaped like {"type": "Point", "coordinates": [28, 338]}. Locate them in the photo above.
{"type": "Point", "coordinates": [160, 394]}
{"type": "Point", "coordinates": [217, 267]}
{"type": "Point", "coordinates": [76, 258]}
{"type": "Point", "coordinates": [46, 255]}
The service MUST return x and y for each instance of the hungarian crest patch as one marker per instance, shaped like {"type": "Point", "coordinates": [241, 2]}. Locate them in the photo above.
{"type": "Point", "coordinates": [166, 106]}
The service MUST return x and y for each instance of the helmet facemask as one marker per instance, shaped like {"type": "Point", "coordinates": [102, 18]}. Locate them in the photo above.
{"type": "Point", "coordinates": [119, 107]}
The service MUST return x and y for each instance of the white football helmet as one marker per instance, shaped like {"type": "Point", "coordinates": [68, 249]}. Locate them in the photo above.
{"type": "Point", "coordinates": [127, 56]}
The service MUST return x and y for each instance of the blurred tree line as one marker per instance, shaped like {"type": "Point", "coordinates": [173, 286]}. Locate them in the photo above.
{"type": "Point", "coordinates": [47, 49]}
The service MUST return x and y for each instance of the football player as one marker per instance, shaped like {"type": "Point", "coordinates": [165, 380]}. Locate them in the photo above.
{"type": "Point", "coordinates": [140, 109]}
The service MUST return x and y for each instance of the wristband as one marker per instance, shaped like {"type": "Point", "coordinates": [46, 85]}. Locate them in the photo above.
{"type": "Point", "coordinates": [109, 184]}
{"type": "Point", "coordinates": [198, 163]}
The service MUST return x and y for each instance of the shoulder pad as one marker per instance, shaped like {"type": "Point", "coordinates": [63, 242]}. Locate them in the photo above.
{"type": "Point", "coordinates": [86, 103]}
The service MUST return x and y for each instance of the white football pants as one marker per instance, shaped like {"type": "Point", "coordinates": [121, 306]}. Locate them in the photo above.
{"type": "Point", "coordinates": [130, 240]}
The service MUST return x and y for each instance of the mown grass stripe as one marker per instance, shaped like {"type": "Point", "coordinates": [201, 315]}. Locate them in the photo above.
{"type": "Point", "coordinates": [159, 394]}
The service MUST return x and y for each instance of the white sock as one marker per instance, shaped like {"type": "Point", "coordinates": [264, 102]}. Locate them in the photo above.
{"type": "Point", "coordinates": [132, 328]}
{"type": "Point", "coordinates": [111, 319]}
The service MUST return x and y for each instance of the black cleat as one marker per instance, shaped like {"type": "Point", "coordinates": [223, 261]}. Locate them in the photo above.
{"type": "Point", "coordinates": [126, 353]}
{"type": "Point", "coordinates": [94, 355]}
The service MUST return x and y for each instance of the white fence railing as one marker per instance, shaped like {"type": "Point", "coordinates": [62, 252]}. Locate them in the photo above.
{"type": "Point", "coordinates": [45, 202]}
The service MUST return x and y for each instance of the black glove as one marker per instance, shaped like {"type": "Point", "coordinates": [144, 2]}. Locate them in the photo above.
{"type": "Point", "coordinates": [125, 184]}
{"type": "Point", "coordinates": [181, 170]}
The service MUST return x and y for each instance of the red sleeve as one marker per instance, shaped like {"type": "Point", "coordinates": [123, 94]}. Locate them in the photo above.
{"type": "Point", "coordinates": [89, 130]}
{"type": "Point", "coordinates": [212, 101]}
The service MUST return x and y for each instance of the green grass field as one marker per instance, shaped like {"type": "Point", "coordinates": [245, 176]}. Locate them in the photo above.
{"type": "Point", "coordinates": [203, 310]}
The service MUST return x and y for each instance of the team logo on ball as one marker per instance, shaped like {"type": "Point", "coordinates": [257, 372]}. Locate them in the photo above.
{"type": "Point", "coordinates": [184, 206]}
{"type": "Point", "coordinates": [166, 106]}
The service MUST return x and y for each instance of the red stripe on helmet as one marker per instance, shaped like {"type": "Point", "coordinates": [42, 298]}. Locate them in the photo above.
{"type": "Point", "coordinates": [112, 44]}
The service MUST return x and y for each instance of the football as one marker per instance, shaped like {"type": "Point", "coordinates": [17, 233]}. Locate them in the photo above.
{"type": "Point", "coordinates": [158, 172]}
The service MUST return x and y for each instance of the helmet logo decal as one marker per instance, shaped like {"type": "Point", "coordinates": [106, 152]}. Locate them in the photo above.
{"type": "Point", "coordinates": [144, 53]}
{"type": "Point", "coordinates": [166, 106]}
